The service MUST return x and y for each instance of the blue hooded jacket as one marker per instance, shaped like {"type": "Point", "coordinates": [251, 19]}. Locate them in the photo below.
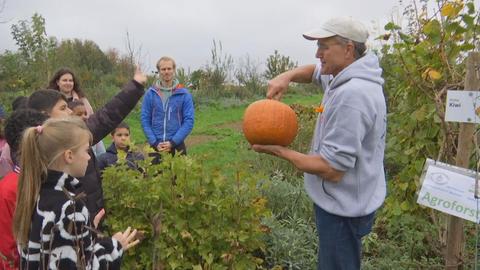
{"type": "Point", "coordinates": [172, 123]}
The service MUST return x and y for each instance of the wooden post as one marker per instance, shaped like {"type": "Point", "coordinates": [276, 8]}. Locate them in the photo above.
{"type": "Point", "coordinates": [455, 234]}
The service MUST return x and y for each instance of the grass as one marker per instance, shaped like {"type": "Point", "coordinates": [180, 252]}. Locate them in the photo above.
{"type": "Point", "coordinates": [227, 148]}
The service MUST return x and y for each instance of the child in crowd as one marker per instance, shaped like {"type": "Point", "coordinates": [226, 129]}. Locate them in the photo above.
{"type": "Point", "coordinates": [6, 162]}
{"type": "Point", "coordinates": [101, 123]}
{"type": "Point", "coordinates": [19, 102]}
{"type": "Point", "coordinates": [120, 147]}
{"type": "Point", "coordinates": [16, 123]}
{"type": "Point", "coordinates": [51, 224]}
{"type": "Point", "coordinates": [3, 116]}
{"type": "Point", "coordinates": [79, 109]}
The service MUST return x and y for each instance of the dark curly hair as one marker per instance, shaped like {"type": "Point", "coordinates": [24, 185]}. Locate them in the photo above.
{"type": "Point", "coordinates": [76, 85]}
{"type": "Point", "coordinates": [18, 121]}
{"type": "Point", "coordinates": [45, 100]}
{"type": "Point", "coordinates": [19, 102]}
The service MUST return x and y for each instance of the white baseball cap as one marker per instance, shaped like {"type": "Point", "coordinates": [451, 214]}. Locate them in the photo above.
{"type": "Point", "coordinates": [341, 26]}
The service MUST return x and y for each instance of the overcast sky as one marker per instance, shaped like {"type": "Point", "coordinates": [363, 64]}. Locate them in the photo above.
{"type": "Point", "coordinates": [185, 29]}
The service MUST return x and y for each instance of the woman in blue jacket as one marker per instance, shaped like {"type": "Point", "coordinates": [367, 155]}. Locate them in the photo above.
{"type": "Point", "coordinates": [167, 111]}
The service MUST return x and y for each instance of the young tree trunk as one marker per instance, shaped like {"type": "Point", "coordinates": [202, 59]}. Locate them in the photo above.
{"type": "Point", "coordinates": [455, 234]}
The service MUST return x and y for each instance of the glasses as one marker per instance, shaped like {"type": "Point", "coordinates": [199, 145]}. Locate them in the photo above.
{"type": "Point", "coordinates": [324, 46]}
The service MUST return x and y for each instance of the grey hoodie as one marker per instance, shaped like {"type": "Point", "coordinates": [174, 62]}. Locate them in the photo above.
{"type": "Point", "coordinates": [350, 135]}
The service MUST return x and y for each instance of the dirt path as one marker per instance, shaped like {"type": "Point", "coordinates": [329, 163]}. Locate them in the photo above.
{"type": "Point", "coordinates": [198, 139]}
{"type": "Point", "coordinates": [237, 126]}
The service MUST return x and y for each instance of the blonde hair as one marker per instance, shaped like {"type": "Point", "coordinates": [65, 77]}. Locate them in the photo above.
{"type": "Point", "coordinates": [166, 58]}
{"type": "Point", "coordinates": [40, 147]}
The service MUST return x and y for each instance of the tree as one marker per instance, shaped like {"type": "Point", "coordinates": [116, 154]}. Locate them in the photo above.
{"type": "Point", "coordinates": [217, 72]}
{"type": "Point", "coordinates": [277, 64]}
{"type": "Point", "coordinates": [86, 58]}
{"type": "Point", "coordinates": [247, 75]}
{"type": "Point", "coordinates": [421, 62]}
{"type": "Point", "coordinates": [36, 49]}
{"type": "Point", "coordinates": [195, 78]}
{"type": "Point", "coordinates": [32, 38]}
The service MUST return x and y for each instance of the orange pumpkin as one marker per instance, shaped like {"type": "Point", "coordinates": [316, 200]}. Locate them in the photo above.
{"type": "Point", "coordinates": [269, 121]}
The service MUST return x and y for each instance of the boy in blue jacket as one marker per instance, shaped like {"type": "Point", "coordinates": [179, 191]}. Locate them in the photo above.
{"type": "Point", "coordinates": [167, 114]}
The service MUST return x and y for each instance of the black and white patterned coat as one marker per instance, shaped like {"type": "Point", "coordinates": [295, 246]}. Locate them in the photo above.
{"type": "Point", "coordinates": [60, 234]}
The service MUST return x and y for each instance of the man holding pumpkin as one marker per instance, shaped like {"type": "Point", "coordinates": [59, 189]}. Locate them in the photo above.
{"type": "Point", "coordinates": [344, 172]}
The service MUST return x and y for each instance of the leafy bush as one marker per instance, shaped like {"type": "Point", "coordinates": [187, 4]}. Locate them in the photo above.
{"type": "Point", "coordinates": [421, 63]}
{"type": "Point", "coordinates": [248, 75]}
{"type": "Point", "coordinates": [190, 218]}
{"type": "Point", "coordinates": [217, 72]}
{"type": "Point", "coordinates": [292, 242]}
{"type": "Point", "coordinates": [277, 64]}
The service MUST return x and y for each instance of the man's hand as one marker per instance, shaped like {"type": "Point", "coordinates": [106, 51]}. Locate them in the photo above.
{"type": "Point", "coordinates": [277, 86]}
{"type": "Point", "coordinates": [268, 149]}
{"type": "Point", "coordinates": [313, 164]}
{"type": "Point", "coordinates": [164, 147]}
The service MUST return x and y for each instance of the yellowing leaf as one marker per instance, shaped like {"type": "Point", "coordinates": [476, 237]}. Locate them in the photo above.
{"type": "Point", "coordinates": [448, 9]}
{"type": "Point", "coordinates": [434, 75]}
{"type": "Point", "coordinates": [451, 9]}
{"type": "Point", "coordinates": [186, 235]}
{"type": "Point", "coordinates": [431, 74]}
{"type": "Point", "coordinates": [121, 155]}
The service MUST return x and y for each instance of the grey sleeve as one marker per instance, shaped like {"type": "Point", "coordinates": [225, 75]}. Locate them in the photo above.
{"type": "Point", "coordinates": [345, 129]}
{"type": "Point", "coordinates": [319, 79]}
{"type": "Point", "coordinates": [316, 77]}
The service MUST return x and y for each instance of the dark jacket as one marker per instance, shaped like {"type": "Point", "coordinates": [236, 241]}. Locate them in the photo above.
{"type": "Point", "coordinates": [101, 124]}
{"type": "Point", "coordinates": [60, 237]}
{"type": "Point", "coordinates": [110, 158]}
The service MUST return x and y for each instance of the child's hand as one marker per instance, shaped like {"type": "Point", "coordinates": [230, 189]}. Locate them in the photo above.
{"type": "Point", "coordinates": [139, 76]}
{"type": "Point", "coordinates": [126, 238]}
{"type": "Point", "coordinates": [98, 218]}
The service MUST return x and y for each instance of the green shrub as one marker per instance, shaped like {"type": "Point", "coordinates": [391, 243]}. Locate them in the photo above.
{"type": "Point", "coordinates": [190, 218]}
{"type": "Point", "coordinates": [406, 242]}
{"type": "Point", "coordinates": [292, 242]}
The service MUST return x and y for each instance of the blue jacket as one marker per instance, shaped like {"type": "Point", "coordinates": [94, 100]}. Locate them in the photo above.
{"type": "Point", "coordinates": [172, 124]}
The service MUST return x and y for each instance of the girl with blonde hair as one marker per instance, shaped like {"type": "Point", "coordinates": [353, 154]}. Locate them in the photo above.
{"type": "Point", "coordinates": [52, 225]}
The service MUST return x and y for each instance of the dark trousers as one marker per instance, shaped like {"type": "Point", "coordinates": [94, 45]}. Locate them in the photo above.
{"type": "Point", "coordinates": [340, 239]}
{"type": "Point", "coordinates": [180, 149]}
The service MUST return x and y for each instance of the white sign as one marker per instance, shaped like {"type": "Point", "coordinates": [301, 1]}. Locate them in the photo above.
{"type": "Point", "coordinates": [449, 189]}
{"type": "Point", "coordinates": [463, 106]}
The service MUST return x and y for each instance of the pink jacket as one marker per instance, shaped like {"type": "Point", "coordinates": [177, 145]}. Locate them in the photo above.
{"type": "Point", "coordinates": [6, 163]}
{"type": "Point", "coordinates": [88, 107]}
